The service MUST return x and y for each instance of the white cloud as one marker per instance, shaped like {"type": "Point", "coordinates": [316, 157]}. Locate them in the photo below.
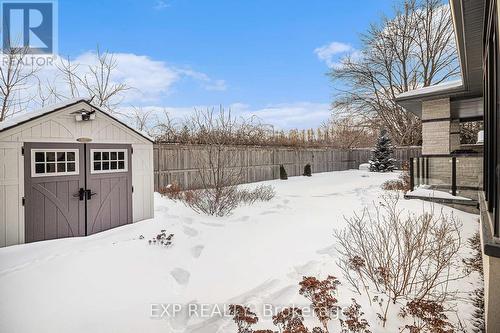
{"type": "Point", "coordinates": [330, 52]}
{"type": "Point", "coordinates": [204, 79]}
{"type": "Point", "coordinates": [289, 115]}
{"type": "Point", "coordinates": [160, 4]}
{"type": "Point", "coordinates": [300, 115]}
{"type": "Point", "coordinates": [151, 79]}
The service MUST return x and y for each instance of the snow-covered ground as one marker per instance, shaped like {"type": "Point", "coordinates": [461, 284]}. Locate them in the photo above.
{"type": "Point", "coordinates": [430, 193]}
{"type": "Point", "coordinates": [108, 282]}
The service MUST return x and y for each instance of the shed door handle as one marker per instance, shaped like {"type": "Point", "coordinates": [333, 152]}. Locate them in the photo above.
{"type": "Point", "coordinates": [80, 194]}
{"type": "Point", "coordinates": [89, 194]}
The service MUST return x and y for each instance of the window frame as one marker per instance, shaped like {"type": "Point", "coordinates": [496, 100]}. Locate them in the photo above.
{"type": "Point", "coordinates": [109, 150]}
{"type": "Point", "coordinates": [56, 173]}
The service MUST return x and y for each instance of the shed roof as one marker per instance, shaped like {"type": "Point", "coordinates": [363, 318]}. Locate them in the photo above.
{"type": "Point", "coordinates": [26, 117]}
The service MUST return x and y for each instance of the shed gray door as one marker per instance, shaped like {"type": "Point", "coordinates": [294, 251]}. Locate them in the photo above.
{"type": "Point", "coordinates": [54, 175]}
{"type": "Point", "coordinates": [72, 189]}
{"type": "Point", "coordinates": [109, 186]}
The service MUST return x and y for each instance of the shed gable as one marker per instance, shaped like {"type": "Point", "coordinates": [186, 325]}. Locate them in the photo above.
{"type": "Point", "coordinates": [61, 126]}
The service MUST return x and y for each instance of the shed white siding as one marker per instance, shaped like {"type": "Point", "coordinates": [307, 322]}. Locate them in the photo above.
{"type": "Point", "coordinates": [61, 126]}
{"type": "Point", "coordinates": [143, 182]}
{"type": "Point", "coordinates": [11, 193]}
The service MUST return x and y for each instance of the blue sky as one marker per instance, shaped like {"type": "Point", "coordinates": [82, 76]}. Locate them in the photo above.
{"type": "Point", "coordinates": [258, 57]}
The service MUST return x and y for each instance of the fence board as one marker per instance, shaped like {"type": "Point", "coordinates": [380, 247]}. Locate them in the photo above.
{"type": "Point", "coordinates": [178, 162]}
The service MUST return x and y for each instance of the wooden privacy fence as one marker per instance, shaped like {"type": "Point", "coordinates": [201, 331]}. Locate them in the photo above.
{"type": "Point", "coordinates": [177, 163]}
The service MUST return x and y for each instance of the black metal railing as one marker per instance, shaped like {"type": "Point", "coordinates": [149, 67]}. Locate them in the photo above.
{"type": "Point", "coordinates": [458, 175]}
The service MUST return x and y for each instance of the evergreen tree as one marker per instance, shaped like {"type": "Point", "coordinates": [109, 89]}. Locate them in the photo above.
{"type": "Point", "coordinates": [307, 170]}
{"type": "Point", "coordinates": [382, 160]}
{"type": "Point", "coordinates": [283, 175]}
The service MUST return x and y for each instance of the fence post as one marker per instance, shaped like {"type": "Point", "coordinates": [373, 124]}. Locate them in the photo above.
{"type": "Point", "coordinates": [412, 175]}
{"type": "Point", "coordinates": [454, 176]}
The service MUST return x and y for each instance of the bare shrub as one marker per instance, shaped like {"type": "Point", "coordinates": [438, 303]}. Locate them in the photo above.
{"type": "Point", "coordinates": [243, 317]}
{"type": "Point", "coordinates": [345, 132]}
{"type": "Point", "coordinates": [290, 320]}
{"type": "Point", "coordinates": [212, 201]}
{"type": "Point", "coordinates": [260, 193]}
{"type": "Point", "coordinates": [394, 185]}
{"type": "Point", "coordinates": [353, 323]}
{"type": "Point", "coordinates": [161, 239]}
{"type": "Point", "coordinates": [219, 171]}
{"type": "Point", "coordinates": [411, 257]}
{"type": "Point", "coordinates": [400, 184]}
{"type": "Point", "coordinates": [221, 201]}
{"type": "Point", "coordinates": [172, 191]}
{"type": "Point", "coordinates": [321, 294]}
{"type": "Point", "coordinates": [475, 264]}
{"type": "Point", "coordinates": [356, 264]}
{"type": "Point", "coordinates": [428, 317]}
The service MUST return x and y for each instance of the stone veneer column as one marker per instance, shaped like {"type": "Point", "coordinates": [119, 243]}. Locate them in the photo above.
{"type": "Point", "coordinates": [440, 135]}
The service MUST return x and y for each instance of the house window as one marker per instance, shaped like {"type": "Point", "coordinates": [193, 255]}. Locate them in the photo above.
{"type": "Point", "coordinates": [54, 162]}
{"type": "Point", "coordinates": [108, 160]}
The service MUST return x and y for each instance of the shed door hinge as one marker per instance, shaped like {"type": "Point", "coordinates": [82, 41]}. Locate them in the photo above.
{"type": "Point", "coordinates": [132, 189]}
{"type": "Point", "coordinates": [22, 150]}
{"type": "Point", "coordinates": [131, 150]}
{"type": "Point", "coordinates": [23, 201]}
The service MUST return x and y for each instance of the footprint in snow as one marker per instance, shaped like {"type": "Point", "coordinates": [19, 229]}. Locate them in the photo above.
{"type": "Point", "coordinates": [161, 209]}
{"type": "Point", "coordinates": [213, 224]}
{"type": "Point", "coordinates": [242, 219]}
{"type": "Point", "coordinates": [180, 275]}
{"type": "Point", "coordinates": [282, 296]}
{"type": "Point", "coordinates": [280, 206]}
{"type": "Point", "coordinates": [267, 212]}
{"type": "Point", "coordinates": [196, 250]}
{"type": "Point", "coordinates": [330, 250]}
{"type": "Point", "coordinates": [188, 220]}
{"type": "Point", "coordinates": [306, 269]}
{"type": "Point", "coordinates": [190, 231]}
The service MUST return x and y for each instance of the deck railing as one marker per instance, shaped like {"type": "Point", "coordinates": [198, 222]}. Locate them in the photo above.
{"type": "Point", "coordinates": [458, 175]}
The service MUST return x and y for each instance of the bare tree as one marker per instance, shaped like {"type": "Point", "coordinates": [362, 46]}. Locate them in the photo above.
{"type": "Point", "coordinates": [47, 92]}
{"type": "Point", "coordinates": [347, 132]}
{"type": "Point", "coordinates": [469, 131]}
{"type": "Point", "coordinates": [413, 49]}
{"type": "Point", "coordinates": [166, 130]}
{"type": "Point", "coordinates": [69, 74]}
{"type": "Point", "coordinates": [140, 118]}
{"type": "Point", "coordinates": [95, 80]}
{"type": "Point", "coordinates": [15, 74]}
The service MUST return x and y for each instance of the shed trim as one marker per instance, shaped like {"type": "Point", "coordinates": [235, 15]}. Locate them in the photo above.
{"type": "Point", "coordinates": [70, 104]}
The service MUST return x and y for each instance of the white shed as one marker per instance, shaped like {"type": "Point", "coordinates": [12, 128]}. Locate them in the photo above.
{"type": "Point", "coordinates": [71, 170]}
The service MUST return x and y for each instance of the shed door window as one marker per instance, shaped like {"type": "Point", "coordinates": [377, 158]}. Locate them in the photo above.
{"type": "Point", "coordinates": [108, 160]}
{"type": "Point", "coordinates": [54, 162]}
